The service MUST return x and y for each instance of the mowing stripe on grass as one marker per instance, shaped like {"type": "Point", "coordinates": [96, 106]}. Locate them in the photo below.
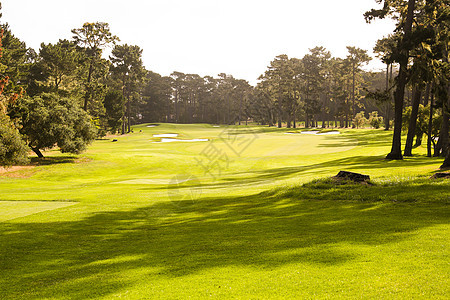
{"type": "Point", "coordinates": [16, 209]}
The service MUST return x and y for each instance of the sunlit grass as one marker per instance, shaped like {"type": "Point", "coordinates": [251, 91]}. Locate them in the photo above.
{"type": "Point", "coordinates": [149, 222]}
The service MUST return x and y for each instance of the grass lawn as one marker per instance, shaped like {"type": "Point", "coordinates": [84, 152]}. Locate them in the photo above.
{"type": "Point", "coordinates": [250, 213]}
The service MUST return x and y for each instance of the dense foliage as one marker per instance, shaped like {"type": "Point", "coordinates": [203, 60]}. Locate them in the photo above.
{"type": "Point", "coordinates": [49, 120]}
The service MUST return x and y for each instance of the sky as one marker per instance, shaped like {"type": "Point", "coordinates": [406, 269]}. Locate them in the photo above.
{"type": "Point", "coordinates": [206, 37]}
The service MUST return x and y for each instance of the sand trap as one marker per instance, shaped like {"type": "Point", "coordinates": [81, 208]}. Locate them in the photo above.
{"type": "Point", "coordinates": [319, 133]}
{"type": "Point", "coordinates": [216, 126]}
{"type": "Point", "coordinates": [166, 135]}
{"type": "Point", "coordinates": [151, 125]}
{"type": "Point", "coordinates": [169, 140]}
{"type": "Point", "coordinates": [329, 132]}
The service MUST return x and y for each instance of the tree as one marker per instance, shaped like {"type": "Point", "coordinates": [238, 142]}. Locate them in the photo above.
{"type": "Point", "coordinates": [314, 74]}
{"type": "Point", "coordinates": [127, 67]}
{"type": "Point", "coordinates": [49, 120]}
{"type": "Point", "coordinates": [15, 61]}
{"type": "Point", "coordinates": [93, 37]}
{"type": "Point", "coordinates": [114, 110]}
{"type": "Point", "coordinates": [356, 58]}
{"type": "Point", "coordinates": [13, 149]}
{"type": "Point", "coordinates": [404, 26]}
{"type": "Point", "coordinates": [58, 62]}
{"type": "Point", "coordinates": [339, 89]}
{"type": "Point", "coordinates": [384, 48]}
{"type": "Point", "coordinates": [157, 98]}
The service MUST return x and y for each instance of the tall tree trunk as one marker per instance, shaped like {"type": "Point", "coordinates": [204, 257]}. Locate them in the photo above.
{"type": "Point", "coordinates": [417, 94]}
{"type": "Point", "coordinates": [279, 114]}
{"type": "Point", "coordinates": [438, 146]}
{"type": "Point", "coordinates": [387, 117]}
{"type": "Point", "coordinates": [430, 126]}
{"type": "Point", "coordinates": [426, 97]}
{"type": "Point", "coordinates": [176, 106]}
{"type": "Point", "coordinates": [353, 91]}
{"type": "Point", "coordinates": [128, 116]}
{"type": "Point", "coordinates": [399, 94]}
{"type": "Point", "coordinates": [124, 123]}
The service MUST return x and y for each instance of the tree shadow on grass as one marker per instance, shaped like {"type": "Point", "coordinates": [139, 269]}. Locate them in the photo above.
{"type": "Point", "coordinates": [53, 160]}
{"type": "Point", "coordinates": [360, 164]}
{"type": "Point", "coordinates": [98, 255]}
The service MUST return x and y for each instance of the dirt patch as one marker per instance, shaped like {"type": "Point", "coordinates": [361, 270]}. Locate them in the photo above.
{"type": "Point", "coordinates": [17, 171]}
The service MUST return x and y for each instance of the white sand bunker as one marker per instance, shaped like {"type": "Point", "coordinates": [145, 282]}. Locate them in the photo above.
{"type": "Point", "coordinates": [169, 140]}
{"type": "Point", "coordinates": [166, 135]}
{"type": "Point", "coordinates": [320, 133]}
{"type": "Point", "coordinates": [151, 125]}
{"type": "Point", "coordinates": [216, 126]}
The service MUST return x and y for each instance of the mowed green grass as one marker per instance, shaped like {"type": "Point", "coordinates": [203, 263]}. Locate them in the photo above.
{"type": "Point", "coordinates": [248, 214]}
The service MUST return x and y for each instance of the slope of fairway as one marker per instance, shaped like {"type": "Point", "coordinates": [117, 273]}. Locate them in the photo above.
{"type": "Point", "coordinates": [247, 214]}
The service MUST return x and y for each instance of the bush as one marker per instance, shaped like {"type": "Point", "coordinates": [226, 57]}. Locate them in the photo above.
{"type": "Point", "coordinates": [13, 149]}
{"type": "Point", "coordinates": [374, 120]}
{"type": "Point", "coordinates": [359, 119]}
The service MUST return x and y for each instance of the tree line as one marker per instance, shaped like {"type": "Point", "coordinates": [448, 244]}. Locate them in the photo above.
{"type": "Point", "coordinates": [67, 93]}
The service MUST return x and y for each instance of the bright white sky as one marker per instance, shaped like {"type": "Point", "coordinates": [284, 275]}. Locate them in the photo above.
{"type": "Point", "coordinates": [206, 37]}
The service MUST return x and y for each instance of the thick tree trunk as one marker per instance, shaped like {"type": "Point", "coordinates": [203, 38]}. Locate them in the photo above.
{"type": "Point", "coordinates": [446, 163]}
{"type": "Point", "coordinates": [37, 151]}
{"type": "Point", "coordinates": [443, 137]}
{"type": "Point", "coordinates": [417, 93]}
{"type": "Point", "coordinates": [399, 94]}
{"type": "Point", "coordinates": [443, 134]}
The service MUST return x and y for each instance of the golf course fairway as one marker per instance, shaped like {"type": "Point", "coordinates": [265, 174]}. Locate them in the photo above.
{"type": "Point", "coordinates": [228, 212]}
